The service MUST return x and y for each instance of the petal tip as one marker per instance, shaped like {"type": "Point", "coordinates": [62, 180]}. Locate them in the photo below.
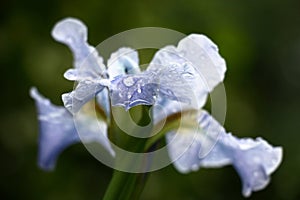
{"type": "Point", "coordinates": [69, 29]}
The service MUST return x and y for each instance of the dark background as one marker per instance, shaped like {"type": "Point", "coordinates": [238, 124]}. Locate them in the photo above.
{"type": "Point", "coordinates": [260, 40]}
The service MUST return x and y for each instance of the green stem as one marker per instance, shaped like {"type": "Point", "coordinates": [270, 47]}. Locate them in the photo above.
{"type": "Point", "coordinates": [134, 186]}
{"type": "Point", "coordinates": [123, 185]}
{"type": "Point", "coordinates": [116, 185]}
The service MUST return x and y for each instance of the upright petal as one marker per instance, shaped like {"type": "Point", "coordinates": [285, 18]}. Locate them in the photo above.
{"type": "Point", "coordinates": [201, 66]}
{"type": "Point", "coordinates": [176, 73]}
{"type": "Point", "coordinates": [89, 67]}
{"type": "Point", "coordinates": [124, 61]}
{"type": "Point", "coordinates": [58, 131]}
{"type": "Point", "coordinates": [73, 33]}
{"type": "Point", "coordinates": [204, 55]}
{"type": "Point", "coordinates": [211, 146]}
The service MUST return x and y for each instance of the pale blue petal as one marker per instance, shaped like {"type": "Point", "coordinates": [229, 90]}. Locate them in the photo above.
{"type": "Point", "coordinates": [145, 88]}
{"type": "Point", "coordinates": [89, 67]}
{"type": "Point", "coordinates": [178, 75]}
{"type": "Point", "coordinates": [73, 33]}
{"type": "Point", "coordinates": [124, 61]}
{"type": "Point", "coordinates": [164, 107]}
{"type": "Point", "coordinates": [102, 98]}
{"type": "Point", "coordinates": [84, 92]}
{"type": "Point", "coordinates": [204, 55]}
{"type": "Point", "coordinates": [91, 129]}
{"type": "Point", "coordinates": [78, 75]}
{"type": "Point", "coordinates": [211, 146]}
{"type": "Point", "coordinates": [172, 82]}
{"type": "Point", "coordinates": [132, 90]}
{"type": "Point", "coordinates": [57, 131]}
{"type": "Point", "coordinates": [197, 58]}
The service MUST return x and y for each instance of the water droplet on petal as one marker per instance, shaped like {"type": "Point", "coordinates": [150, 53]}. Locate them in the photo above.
{"type": "Point", "coordinates": [129, 81]}
{"type": "Point", "coordinates": [187, 75]}
{"type": "Point", "coordinates": [256, 174]}
{"type": "Point", "coordinates": [215, 48]}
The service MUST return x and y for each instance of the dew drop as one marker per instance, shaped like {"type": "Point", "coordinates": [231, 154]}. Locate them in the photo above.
{"type": "Point", "coordinates": [256, 174]}
{"type": "Point", "coordinates": [129, 81]}
{"type": "Point", "coordinates": [187, 75]}
{"type": "Point", "coordinates": [215, 48]}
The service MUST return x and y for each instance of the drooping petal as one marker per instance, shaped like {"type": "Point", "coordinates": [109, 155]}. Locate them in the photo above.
{"type": "Point", "coordinates": [211, 146]}
{"type": "Point", "coordinates": [56, 128]}
{"type": "Point", "coordinates": [102, 99]}
{"type": "Point", "coordinates": [124, 61]}
{"type": "Point", "coordinates": [92, 129]}
{"type": "Point", "coordinates": [164, 107]}
{"type": "Point", "coordinates": [58, 131]}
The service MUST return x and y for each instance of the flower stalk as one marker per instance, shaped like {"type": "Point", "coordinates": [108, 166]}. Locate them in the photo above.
{"type": "Point", "coordinates": [124, 185]}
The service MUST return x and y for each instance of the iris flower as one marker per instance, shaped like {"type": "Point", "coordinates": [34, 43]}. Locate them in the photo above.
{"type": "Point", "coordinates": [178, 79]}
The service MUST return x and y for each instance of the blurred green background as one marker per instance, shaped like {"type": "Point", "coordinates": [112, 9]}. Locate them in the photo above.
{"type": "Point", "coordinates": [260, 40]}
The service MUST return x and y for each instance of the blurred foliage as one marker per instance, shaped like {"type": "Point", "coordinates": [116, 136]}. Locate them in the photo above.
{"type": "Point", "coordinates": [260, 40]}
